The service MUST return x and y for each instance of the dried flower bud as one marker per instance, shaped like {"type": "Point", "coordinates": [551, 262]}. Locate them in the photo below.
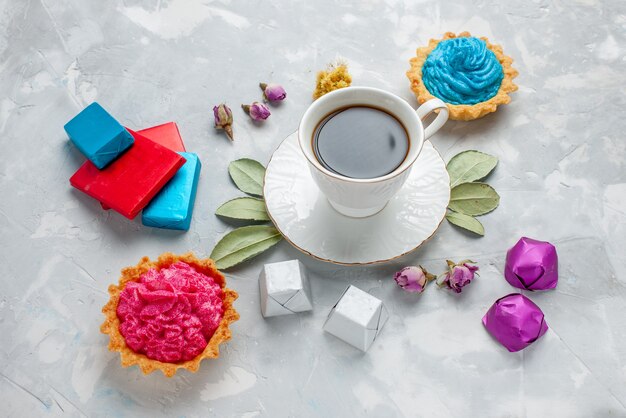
{"type": "Point", "coordinates": [458, 275]}
{"type": "Point", "coordinates": [224, 119]}
{"type": "Point", "coordinates": [336, 76]}
{"type": "Point", "coordinates": [273, 92]}
{"type": "Point", "coordinates": [257, 111]}
{"type": "Point", "coordinates": [413, 278]}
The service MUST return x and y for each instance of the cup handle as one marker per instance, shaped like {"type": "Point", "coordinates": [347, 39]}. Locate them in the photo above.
{"type": "Point", "coordinates": [426, 109]}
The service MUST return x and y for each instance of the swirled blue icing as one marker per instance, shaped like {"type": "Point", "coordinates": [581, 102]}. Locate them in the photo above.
{"type": "Point", "coordinates": [462, 71]}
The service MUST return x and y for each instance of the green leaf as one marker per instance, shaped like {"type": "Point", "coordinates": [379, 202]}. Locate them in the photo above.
{"type": "Point", "coordinates": [245, 208]}
{"type": "Point", "coordinates": [469, 166]}
{"type": "Point", "coordinates": [244, 243]}
{"type": "Point", "coordinates": [248, 175]}
{"type": "Point", "coordinates": [466, 222]}
{"type": "Point", "coordinates": [473, 199]}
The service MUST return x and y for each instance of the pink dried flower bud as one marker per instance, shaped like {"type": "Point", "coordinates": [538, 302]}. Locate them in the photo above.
{"type": "Point", "coordinates": [413, 278]}
{"type": "Point", "coordinates": [224, 119]}
{"type": "Point", "coordinates": [273, 92]}
{"type": "Point", "coordinates": [257, 111]}
{"type": "Point", "coordinates": [458, 275]}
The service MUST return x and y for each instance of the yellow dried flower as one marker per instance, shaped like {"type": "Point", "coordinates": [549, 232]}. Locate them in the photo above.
{"type": "Point", "coordinates": [336, 76]}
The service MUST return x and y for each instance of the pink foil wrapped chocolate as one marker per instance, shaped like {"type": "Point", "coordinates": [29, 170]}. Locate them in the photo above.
{"type": "Point", "coordinates": [532, 265]}
{"type": "Point", "coordinates": [515, 321]}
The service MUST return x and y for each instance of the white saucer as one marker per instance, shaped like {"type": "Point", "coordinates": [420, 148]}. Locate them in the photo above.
{"type": "Point", "coordinates": [305, 218]}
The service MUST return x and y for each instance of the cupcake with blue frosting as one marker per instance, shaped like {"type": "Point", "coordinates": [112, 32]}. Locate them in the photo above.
{"type": "Point", "coordinates": [471, 75]}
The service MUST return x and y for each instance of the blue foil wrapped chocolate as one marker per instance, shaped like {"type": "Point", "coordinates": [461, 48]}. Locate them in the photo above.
{"type": "Point", "coordinates": [172, 208]}
{"type": "Point", "coordinates": [98, 135]}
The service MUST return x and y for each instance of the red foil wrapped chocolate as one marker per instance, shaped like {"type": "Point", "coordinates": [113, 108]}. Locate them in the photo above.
{"type": "Point", "coordinates": [129, 183]}
{"type": "Point", "coordinates": [167, 135]}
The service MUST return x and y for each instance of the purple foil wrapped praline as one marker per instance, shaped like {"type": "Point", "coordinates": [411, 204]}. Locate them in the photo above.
{"type": "Point", "coordinates": [515, 321]}
{"type": "Point", "coordinates": [532, 265]}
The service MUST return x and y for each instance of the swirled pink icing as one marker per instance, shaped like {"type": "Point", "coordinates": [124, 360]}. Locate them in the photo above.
{"type": "Point", "coordinates": [170, 314]}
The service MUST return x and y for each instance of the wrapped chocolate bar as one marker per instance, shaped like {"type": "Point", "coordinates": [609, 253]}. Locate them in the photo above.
{"type": "Point", "coordinates": [98, 135]}
{"type": "Point", "coordinates": [515, 321]}
{"type": "Point", "coordinates": [130, 182]}
{"type": "Point", "coordinates": [167, 135]}
{"type": "Point", "coordinates": [172, 208]}
{"type": "Point", "coordinates": [357, 318]}
{"type": "Point", "coordinates": [532, 265]}
{"type": "Point", "coordinates": [284, 288]}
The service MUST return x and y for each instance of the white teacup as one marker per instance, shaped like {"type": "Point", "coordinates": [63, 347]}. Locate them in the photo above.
{"type": "Point", "coordinates": [365, 197]}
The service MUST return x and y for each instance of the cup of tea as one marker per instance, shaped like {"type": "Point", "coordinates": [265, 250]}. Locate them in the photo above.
{"type": "Point", "coordinates": [360, 144]}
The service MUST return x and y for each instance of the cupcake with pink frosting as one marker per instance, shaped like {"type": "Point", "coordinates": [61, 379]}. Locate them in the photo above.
{"type": "Point", "coordinates": [169, 314]}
